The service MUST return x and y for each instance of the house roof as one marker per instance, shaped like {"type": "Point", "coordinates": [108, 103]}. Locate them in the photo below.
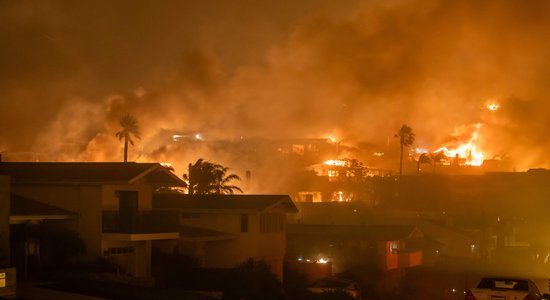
{"type": "Point", "coordinates": [87, 172]}
{"type": "Point", "coordinates": [224, 203]}
{"type": "Point", "coordinates": [24, 209]}
{"type": "Point", "coordinates": [198, 234]}
{"type": "Point", "coordinates": [23, 206]}
{"type": "Point", "coordinates": [377, 232]}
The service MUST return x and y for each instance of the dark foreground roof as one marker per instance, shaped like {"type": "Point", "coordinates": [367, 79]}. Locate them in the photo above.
{"type": "Point", "coordinates": [86, 172]}
{"type": "Point", "coordinates": [23, 206]}
{"type": "Point", "coordinates": [225, 203]}
{"type": "Point", "coordinates": [379, 232]}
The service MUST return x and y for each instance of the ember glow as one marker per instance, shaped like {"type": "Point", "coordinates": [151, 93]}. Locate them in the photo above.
{"type": "Point", "coordinates": [492, 106]}
{"type": "Point", "coordinates": [166, 164]}
{"type": "Point", "coordinates": [322, 261]}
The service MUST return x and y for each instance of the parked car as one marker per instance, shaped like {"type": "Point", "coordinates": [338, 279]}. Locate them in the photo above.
{"type": "Point", "coordinates": [333, 284]}
{"type": "Point", "coordinates": [505, 288]}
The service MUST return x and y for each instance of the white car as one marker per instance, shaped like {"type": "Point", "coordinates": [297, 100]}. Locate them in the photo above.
{"type": "Point", "coordinates": [505, 288]}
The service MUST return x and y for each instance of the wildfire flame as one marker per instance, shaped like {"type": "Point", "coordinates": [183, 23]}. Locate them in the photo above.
{"type": "Point", "coordinates": [335, 162]}
{"type": "Point", "coordinates": [466, 152]}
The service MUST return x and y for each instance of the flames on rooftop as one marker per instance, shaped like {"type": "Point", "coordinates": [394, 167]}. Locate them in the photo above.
{"type": "Point", "coordinates": [465, 149]}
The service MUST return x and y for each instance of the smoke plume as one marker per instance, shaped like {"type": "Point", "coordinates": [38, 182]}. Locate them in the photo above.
{"type": "Point", "coordinates": [231, 69]}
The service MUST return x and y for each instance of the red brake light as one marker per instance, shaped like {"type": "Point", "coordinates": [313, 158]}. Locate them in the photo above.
{"type": "Point", "coordinates": [470, 296]}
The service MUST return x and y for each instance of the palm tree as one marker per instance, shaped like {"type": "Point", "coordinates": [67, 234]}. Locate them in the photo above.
{"type": "Point", "coordinates": [222, 184]}
{"type": "Point", "coordinates": [205, 177]}
{"type": "Point", "coordinates": [406, 138]}
{"type": "Point", "coordinates": [130, 128]}
{"type": "Point", "coordinates": [199, 176]}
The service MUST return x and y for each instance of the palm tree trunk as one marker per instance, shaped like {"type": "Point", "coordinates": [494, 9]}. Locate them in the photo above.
{"type": "Point", "coordinates": [191, 179]}
{"type": "Point", "coordinates": [401, 162]}
{"type": "Point", "coordinates": [125, 149]}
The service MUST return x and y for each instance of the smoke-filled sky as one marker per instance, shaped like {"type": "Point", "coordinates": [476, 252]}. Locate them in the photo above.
{"type": "Point", "coordinates": [357, 70]}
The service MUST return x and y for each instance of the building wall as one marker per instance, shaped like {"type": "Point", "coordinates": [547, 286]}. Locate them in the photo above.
{"type": "Point", "coordinates": [456, 243]}
{"type": "Point", "coordinates": [4, 221]}
{"type": "Point", "coordinates": [391, 258]}
{"type": "Point", "coordinates": [134, 257]}
{"type": "Point", "coordinates": [138, 261]}
{"type": "Point", "coordinates": [228, 253]}
{"type": "Point", "coordinates": [266, 246]}
{"type": "Point", "coordinates": [110, 198]}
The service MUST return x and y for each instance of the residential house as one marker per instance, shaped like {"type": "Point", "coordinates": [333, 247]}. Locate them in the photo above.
{"type": "Point", "coordinates": [4, 221]}
{"type": "Point", "coordinates": [382, 248]}
{"type": "Point", "coordinates": [7, 272]}
{"type": "Point", "coordinates": [225, 230]}
{"type": "Point", "coordinates": [108, 204]}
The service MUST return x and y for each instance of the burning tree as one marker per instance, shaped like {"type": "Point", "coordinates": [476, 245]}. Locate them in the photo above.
{"type": "Point", "coordinates": [406, 138]}
{"type": "Point", "coordinates": [130, 128]}
{"type": "Point", "coordinates": [205, 177]}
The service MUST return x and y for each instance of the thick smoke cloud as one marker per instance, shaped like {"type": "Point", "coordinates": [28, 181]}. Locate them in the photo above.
{"type": "Point", "coordinates": [230, 69]}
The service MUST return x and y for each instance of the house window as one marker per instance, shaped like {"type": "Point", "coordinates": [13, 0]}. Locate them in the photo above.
{"type": "Point", "coordinates": [244, 223]}
{"type": "Point", "coordinates": [394, 247]}
{"type": "Point", "coordinates": [271, 222]}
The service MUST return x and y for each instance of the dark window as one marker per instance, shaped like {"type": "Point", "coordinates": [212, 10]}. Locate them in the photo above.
{"type": "Point", "coordinates": [127, 209]}
{"type": "Point", "coordinates": [244, 223]}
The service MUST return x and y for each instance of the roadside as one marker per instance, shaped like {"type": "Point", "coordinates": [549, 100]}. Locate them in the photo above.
{"type": "Point", "coordinates": [96, 290]}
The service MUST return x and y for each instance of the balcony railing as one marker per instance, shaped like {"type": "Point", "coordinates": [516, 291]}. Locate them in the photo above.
{"type": "Point", "coordinates": [141, 222]}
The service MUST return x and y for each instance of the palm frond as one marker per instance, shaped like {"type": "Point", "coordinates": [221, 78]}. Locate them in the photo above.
{"type": "Point", "coordinates": [206, 177]}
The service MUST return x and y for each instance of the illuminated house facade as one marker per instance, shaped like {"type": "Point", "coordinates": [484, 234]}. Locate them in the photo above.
{"type": "Point", "coordinates": [225, 230]}
{"type": "Point", "coordinates": [108, 204]}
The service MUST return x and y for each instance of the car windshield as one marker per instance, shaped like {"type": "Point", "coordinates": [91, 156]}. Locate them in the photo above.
{"type": "Point", "coordinates": [506, 284]}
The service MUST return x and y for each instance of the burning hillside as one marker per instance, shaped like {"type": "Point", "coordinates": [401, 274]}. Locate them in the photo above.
{"type": "Point", "coordinates": [69, 71]}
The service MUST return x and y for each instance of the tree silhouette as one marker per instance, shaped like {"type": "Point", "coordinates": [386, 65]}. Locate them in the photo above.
{"type": "Point", "coordinates": [251, 280]}
{"type": "Point", "coordinates": [204, 177]}
{"type": "Point", "coordinates": [424, 158]}
{"type": "Point", "coordinates": [406, 138]}
{"type": "Point", "coordinates": [353, 176]}
{"type": "Point", "coordinates": [130, 128]}
{"type": "Point", "coordinates": [436, 157]}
